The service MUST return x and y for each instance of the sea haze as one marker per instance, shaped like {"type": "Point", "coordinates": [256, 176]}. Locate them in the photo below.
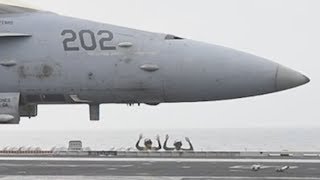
{"type": "Point", "coordinates": [255, 139]}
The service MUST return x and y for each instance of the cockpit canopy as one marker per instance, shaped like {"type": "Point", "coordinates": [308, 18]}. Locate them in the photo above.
{"type": "Point", "coordinates": [172, 37]}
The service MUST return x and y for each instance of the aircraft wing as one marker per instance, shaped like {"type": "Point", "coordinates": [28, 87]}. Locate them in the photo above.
{"type": "Point", "coordinates": [13, 7]}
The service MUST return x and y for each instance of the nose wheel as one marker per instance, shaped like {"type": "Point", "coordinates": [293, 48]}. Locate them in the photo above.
{"type": "Point", "coordinates": [94, 112]}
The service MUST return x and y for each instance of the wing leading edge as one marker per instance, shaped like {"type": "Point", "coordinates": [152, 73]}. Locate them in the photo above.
{"type": "Point", "coordinates": [10, 34]}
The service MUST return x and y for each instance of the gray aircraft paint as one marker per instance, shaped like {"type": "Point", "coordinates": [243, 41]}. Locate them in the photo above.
{"type": "Point", "coordinates": [131, 67]}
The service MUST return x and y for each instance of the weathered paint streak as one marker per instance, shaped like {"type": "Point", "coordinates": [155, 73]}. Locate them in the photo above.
{"type": "Point", "coordinates": [41, 72]}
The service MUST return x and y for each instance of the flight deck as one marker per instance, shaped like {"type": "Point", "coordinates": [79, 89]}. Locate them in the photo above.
{"type": "Point", "coordinates": [161, 165]}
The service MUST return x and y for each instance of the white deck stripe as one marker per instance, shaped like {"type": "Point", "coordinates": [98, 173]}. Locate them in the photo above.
{"type": "Point", "coordinates": [149, 178]}
{"type": "Point", "coordinates": [66, 165]}
{"type": "Point", "coordinates": [314, 161]}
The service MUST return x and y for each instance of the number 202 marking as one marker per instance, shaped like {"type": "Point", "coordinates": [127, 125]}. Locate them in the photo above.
{"type": "Point", "coordinates": [91, 45]}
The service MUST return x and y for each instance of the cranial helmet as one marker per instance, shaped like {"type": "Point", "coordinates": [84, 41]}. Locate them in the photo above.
{"type": "Point", "coordinates": [147, 141]}
{"type": "Point", "coordinates": [177, 143]}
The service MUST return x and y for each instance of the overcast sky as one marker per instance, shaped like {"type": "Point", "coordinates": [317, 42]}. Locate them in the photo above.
{"type": "Point", "coordinates": [285, 31]}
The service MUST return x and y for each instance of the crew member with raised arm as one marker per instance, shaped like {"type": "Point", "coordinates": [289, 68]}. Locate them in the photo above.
{"type": "Point", "coordinates": [148, 144]}
{"type": "Point", "coordinates": [177, 145]}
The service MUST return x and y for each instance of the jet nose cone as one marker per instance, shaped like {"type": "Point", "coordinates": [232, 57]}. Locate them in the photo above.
{"type": "Point", "coordinates": [287, 78]}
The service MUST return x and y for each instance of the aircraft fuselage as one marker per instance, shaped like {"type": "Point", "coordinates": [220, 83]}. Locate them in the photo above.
{"type": "Point", "coordinates": [52, 59]}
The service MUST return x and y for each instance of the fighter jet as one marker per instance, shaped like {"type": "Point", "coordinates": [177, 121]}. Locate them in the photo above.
{"type": "Point", "coordinates": [283, 168]}
{"type": "Point", "coordinates": [258, 167]}
{"type": "Point", "coordinates": [46, 58]}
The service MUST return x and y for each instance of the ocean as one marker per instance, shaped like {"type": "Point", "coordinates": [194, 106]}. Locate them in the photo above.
{"type": "Point", "coordinates": [255, 139]}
